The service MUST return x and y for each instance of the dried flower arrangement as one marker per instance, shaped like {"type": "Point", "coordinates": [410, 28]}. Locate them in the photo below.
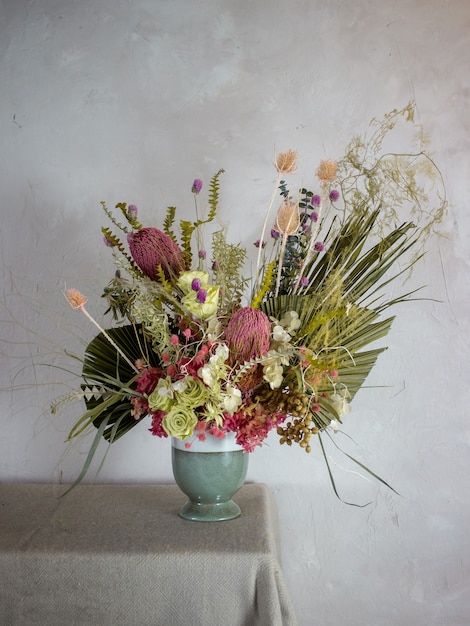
{"type": "Point", "coordinates": [194, 350]}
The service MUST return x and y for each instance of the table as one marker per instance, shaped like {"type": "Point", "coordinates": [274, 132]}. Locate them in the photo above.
{"type": "Point", "coordinates": [120, 555]}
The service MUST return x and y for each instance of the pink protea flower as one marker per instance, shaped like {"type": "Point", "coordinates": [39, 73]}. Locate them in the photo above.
{"type": "Point", "coordinates": [248, 335]}
{"type": "Point", "coordinates": [151, 247]}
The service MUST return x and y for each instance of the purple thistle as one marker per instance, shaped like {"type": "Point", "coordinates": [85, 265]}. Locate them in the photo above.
{"type": "Point", "coordinates": [195, 284]}
{"type": "Point", "coordinates": [334, 195]}
{"type": "Point", "coordinates": [275, 234]}
{"type": "Point", "coordinates": [304, 281]}
{"type": "Point", "coordinates": [202, 254]}
{"type": "Point", "coordinates": [258, 243]}
{"type": "Point", "coordinates": [316, 200]}
{"type": "Point", "coordinates": [201, 295]}
{"type": "Point", "coordinates": [132, 211]}
{"type": "Point", "coordinates": [197, 185]}
{"type": "Point", "coordinates": [319, 246]}
{"type": "Point", "coordinates": [314, 217]}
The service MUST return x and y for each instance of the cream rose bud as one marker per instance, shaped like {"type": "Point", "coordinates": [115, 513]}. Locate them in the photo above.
{"type": "Point", "coordinates": [179, 422]}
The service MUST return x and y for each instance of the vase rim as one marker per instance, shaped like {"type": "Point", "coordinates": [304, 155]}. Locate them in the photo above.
{"type": "Point", "coordinates": [212, 443]}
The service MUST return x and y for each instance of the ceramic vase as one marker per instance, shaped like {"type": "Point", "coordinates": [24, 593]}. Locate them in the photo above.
{"type": "Point", "coordinates": [210, 473]}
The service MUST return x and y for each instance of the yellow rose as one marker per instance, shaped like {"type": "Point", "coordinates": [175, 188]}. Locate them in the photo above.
{"type": "Point", "coordinates": [179, 422]}
{"type": "Point", "coordinates": [161, 398]}
{"type": "Point", "coordinates": [192, 393]}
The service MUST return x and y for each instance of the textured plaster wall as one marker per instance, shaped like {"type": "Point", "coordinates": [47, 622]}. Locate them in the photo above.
{"type": "Point", "coordinates": [130, 101]}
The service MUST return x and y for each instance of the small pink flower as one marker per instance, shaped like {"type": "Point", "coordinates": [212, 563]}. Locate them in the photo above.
{"type": "Point", "coordinates": [201, 296]}
{"type": "Point", "coordinates": [132, 211]}
{"type": "Point", "coordinates": [197, 185]}
{"type": "Point", "coordinates": [174, 340]}
{"type": "Point", "coordinates": [195, 284]}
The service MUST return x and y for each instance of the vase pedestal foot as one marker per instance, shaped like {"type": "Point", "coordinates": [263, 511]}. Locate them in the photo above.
{"type": "Point", "coordinates": [209, 512]}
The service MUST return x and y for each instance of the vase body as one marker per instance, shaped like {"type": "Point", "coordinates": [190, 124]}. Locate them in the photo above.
{"type": "Point", "coordinates": [210, 472]}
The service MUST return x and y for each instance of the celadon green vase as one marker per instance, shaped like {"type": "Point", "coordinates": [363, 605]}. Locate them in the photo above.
{"type": "Point", "coordinates": [210, 473]}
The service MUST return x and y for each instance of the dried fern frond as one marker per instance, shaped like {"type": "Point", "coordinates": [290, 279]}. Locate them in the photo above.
{"type": "Point", "coordinates": [267, 282]}
{"type": "Point", "coordinates": [116, 243]}
{"type": "Point", "coordinates": [213, 200]}
{"type": "Point", "coordinates": [169, 221]}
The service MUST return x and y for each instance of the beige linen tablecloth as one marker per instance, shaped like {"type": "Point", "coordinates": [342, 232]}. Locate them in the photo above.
{"type": "Point", "coordinates": [120, 555]}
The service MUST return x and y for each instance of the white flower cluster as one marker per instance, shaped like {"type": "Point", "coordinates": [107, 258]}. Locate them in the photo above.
{"type": "Point", "coordinates": [213, 372]}
{"type": "Point", "coordinates": [281, 349]}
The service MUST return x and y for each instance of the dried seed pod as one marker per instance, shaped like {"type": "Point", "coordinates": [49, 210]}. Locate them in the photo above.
{"type": "Point", "coordinates": [288, 218]}
{"type": "Point", "coordinates": [286, 162]}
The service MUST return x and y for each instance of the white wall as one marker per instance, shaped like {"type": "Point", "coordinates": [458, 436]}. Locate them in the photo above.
{"type": "Point", "coordinates": [130, 101]}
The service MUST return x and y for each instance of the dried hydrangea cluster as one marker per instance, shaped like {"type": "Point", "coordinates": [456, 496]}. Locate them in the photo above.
{"type": "Point", "coordinates": [193, 351]}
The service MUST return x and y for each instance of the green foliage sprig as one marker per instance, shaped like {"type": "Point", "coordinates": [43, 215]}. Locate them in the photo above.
{"type": "Point", "coordinates": [228, 262]}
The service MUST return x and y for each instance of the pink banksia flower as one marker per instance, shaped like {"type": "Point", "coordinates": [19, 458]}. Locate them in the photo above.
{"type": "Point", "coordinates": [150, 248]}
{"type": "Point", "coordinates": [248, 335]}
